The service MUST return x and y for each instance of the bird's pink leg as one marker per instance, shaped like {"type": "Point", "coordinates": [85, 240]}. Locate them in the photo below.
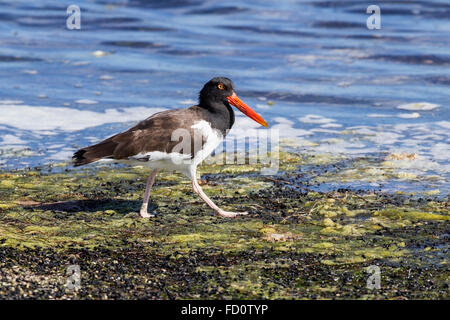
{"type": "Point", "coordinates": [150, 181]}
{"type": "Point", "coordinates": [213, 206]}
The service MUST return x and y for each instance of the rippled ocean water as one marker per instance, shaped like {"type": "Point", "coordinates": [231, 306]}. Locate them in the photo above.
{"type": "Point", "coordinates": [311, 68]}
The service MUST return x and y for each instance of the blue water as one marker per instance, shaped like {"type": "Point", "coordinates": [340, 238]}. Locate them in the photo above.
{"type": "Point", "coordinates": [288, 59]}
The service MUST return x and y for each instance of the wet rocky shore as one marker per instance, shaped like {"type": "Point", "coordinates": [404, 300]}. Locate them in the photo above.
{"type": "Point", "coordinates": [305, 237]}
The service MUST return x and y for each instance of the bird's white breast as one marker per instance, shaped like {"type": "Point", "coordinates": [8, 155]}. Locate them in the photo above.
{"type": "Point", "coordinates": [213, 138]}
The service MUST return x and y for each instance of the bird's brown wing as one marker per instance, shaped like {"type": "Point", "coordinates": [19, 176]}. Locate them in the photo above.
{"type": "Point", "coordinates": [152, 134]}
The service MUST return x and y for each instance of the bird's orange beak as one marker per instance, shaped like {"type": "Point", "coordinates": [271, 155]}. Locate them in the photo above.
{"type": "Point", "coordinates": [245, 109]}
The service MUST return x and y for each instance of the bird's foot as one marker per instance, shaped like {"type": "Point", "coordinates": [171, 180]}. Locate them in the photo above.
{"type": "Point", "coordinates": [229, 214]}
{"type": "Point", "coordinates": [144, 213]}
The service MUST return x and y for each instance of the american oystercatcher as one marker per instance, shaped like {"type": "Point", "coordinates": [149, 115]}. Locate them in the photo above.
{"type": "Point", "coordinates": [176, 139]}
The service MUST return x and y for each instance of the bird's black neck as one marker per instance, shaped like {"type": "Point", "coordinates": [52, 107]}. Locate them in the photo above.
{"type": "Point", "coordinates": [221, 115]}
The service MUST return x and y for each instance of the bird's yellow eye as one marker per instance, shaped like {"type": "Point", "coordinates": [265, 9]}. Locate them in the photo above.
{"type": "Point", "coordinates": [220, 86]}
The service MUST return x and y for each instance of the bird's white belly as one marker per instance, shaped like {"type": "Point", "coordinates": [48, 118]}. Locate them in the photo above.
{"type": "Point", "coordinates": [176, 161]}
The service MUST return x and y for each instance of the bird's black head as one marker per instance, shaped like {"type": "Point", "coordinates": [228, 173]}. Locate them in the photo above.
{"type": "Point", "coordinates": [217, 95]}
{"type": "Point", "coordinates": [216, 91]}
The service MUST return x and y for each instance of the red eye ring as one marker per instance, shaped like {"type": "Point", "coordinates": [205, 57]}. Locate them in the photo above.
{"type": "Point", "coordinates": [221, 86]}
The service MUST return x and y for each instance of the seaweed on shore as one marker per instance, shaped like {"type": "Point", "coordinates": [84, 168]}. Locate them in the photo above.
{"type": "Point", "coordinates": [297, 242]}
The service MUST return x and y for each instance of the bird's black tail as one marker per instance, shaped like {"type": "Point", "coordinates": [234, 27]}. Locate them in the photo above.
{"type": "Point", "coordinates": [104, 149]}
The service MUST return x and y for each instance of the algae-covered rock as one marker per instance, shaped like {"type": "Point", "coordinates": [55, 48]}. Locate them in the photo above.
{"type": "Point", "coordinates": [299, 240]}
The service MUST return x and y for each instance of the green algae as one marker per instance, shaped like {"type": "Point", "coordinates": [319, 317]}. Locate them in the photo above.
{"type": "Point", "coordinates": [407, 213]}
{"type": "Point", "coordinates": [293, 244]}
